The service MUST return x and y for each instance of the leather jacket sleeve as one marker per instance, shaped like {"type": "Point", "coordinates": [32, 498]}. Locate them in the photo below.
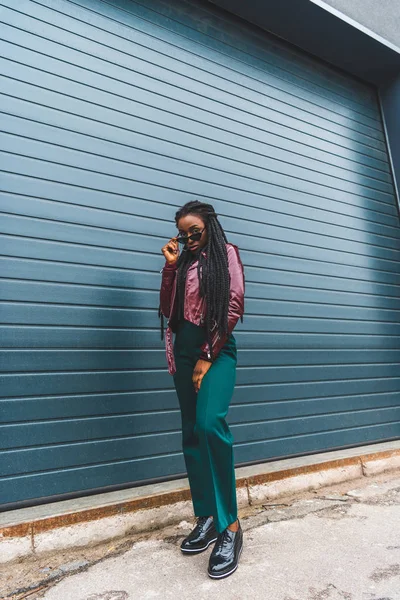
{"type": "Point", "coordinates": [236, 301]}
{"type": "Point", "coordinates": [167, 282]}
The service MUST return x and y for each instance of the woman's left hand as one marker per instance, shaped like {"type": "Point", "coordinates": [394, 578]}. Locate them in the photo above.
{"type": "Point", "coordinates": [200, 370]}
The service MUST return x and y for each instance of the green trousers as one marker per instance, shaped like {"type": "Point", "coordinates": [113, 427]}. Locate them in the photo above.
{"type": "Point", "coordinates": [206, 437]}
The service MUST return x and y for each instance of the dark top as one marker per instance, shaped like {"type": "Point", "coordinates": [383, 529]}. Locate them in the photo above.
{"type": "Point", "coordinates": [180, 291]}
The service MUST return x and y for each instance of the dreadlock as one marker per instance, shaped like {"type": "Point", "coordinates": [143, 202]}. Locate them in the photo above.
{"type": "Point", "coordinates": [212, 271]}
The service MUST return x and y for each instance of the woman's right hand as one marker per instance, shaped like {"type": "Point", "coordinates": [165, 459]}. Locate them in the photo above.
{"type": "Point", "coordinates": [171, 251]}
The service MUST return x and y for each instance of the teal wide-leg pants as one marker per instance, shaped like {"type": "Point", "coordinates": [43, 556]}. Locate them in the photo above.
{"type": "Point", "coordinates": [206, 437]}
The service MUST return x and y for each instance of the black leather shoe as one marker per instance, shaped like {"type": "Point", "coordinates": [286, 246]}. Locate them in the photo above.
{"type": "Point", "coordinates": [201, 537]}
{"type": "Point", "coordinates": [224, 558]}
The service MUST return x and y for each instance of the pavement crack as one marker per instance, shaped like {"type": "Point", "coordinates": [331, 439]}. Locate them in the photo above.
{"type": "Point", "coordinates": [32, 537]}
{"type": "Point", "coordinates": [385, 572]}
{"type": "Point", "coordinates": [249, 500]}
{"type": "Point", "coordinates": [363, 468]}
{"type": "Point", "coordinates": [325, 593]}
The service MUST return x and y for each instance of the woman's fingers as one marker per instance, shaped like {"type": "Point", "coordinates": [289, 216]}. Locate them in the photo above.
{"type": "Point", "coordinates": [173, 246]}
{"type": "Point", "coordinates": [197, 377]}
{"type": "Point", "coordinates": [167, 248]}
{"type": "Point", "coordinates": [200, 370]}
{"type": "Point", "coordinates": [197, 384]}
{"type": "Point", "coordinates": [170, 250]}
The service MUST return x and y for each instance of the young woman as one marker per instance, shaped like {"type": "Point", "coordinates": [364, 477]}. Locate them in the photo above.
{"type": "Point", "coordinates": [202, 295]}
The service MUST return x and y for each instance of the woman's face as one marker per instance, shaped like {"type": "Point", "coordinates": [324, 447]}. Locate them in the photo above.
{"type": "Point", "coordinates": [193, 224]}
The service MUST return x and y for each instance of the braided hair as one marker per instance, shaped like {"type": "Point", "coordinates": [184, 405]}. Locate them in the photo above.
{"type": "Point", "coordinates": [213, 272]}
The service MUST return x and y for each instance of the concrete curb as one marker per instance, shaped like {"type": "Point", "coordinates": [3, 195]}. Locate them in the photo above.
{"type": "Point", "coordinates": [94, 519]}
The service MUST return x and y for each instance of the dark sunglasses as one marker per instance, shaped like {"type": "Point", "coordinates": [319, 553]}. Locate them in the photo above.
{"type": "Point", "coordinates": [193, 237]}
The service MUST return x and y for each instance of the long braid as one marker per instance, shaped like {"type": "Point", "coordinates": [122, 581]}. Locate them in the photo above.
{"type": "Point", "coordinates": [183, 264]}
{"type": "Point", "coordinates": [213, 271]}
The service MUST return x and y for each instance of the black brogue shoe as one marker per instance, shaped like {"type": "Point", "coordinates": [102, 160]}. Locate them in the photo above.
{"type": "Point", "coordinates": [201, 537]}
{"type": "Point", "coordinates": [224, 558]}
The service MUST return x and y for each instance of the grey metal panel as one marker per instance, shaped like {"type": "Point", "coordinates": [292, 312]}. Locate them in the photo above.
{"type": "Point", "coordinates": [334, 37]}
{"type": "Point", "coordinates": [370, 15]}
{"type": "Point", "coordinates": [80, 116]}
{"type": "Point", "coordinates": [390, 101]}
{"type": "Point", "coordinates": [113, 114]}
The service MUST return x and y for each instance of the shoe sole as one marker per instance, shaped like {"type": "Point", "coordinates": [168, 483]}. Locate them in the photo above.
{"type": "Point", "coordinates": [198, 550]}
{"type": "Point", "coordinates": [229, 572]}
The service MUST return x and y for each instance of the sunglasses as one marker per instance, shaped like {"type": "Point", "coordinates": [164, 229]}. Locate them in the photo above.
{"type": "Point", "coordinates": [193, 237]}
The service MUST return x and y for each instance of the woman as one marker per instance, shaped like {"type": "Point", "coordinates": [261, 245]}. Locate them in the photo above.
{"type": "Point", "coordinates": [202, 295]}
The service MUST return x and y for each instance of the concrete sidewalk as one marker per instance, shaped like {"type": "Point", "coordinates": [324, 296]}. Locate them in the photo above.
{"type": "Point", "coordinates": [95, 519]}
{"type": "Point", "coordinates": [336, 543]}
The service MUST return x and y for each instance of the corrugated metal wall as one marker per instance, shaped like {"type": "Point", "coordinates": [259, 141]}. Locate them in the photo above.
{"type": "Point", "coordinates": [115, 113]}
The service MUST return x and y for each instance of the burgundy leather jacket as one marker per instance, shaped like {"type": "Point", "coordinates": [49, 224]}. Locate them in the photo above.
{"type": "Point", "coordinates": [195, 305]}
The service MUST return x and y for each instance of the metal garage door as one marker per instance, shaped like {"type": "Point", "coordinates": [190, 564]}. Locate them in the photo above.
{"type": "Point", "coordinates": [115, 113]}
